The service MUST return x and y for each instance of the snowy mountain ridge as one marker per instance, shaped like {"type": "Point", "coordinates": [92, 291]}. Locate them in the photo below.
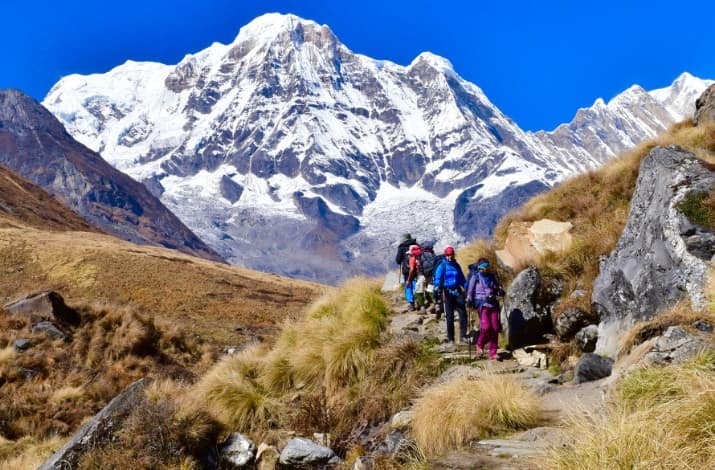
{"type": "Point", "coordinates": [287, 152]}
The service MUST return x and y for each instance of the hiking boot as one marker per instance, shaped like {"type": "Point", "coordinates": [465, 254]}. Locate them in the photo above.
{"type": "Point", "coordinates": [411, 307]}
{"type": "Point", "coordinates": [448, 347]}
{"type": "Point", "coordinates": [423, 310]}
{"type": "Point", "coordinates": [465, 340]}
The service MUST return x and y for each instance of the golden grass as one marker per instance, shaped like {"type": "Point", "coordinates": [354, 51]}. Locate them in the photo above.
{"type": "Point", "coordinates": [210, 298]}
{"type": "Point", "coordinates": [166, 429]}
{"type": "Point", "coordinates": [7, 355]}
{"type": "Point", "coordinates": [53, 386]}
{"type": "Point", "coordinates": [449, 416]}
{"type": "Point", "coordinates": [327, 372]}
{"type": "Point", "coordinates": [679, 314]}
{"type": "Point", "coordinates": [660, 418]}
{"type": "Point", "coordinates": [27, 453]}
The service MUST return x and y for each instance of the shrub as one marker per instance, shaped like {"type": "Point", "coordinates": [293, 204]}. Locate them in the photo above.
{"type": "Point", "coordinates": [450, 415]}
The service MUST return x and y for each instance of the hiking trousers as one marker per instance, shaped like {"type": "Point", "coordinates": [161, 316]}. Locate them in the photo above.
{"type": "Point", "coordinates": [454, 300]}
{"type": "Point", "coordinates": [409, 290]}
{"type": "Point", "coordinates": [489, 329]}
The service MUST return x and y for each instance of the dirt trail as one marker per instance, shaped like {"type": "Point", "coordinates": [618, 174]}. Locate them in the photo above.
{"type": "Point", "coordinates": [514, 451]}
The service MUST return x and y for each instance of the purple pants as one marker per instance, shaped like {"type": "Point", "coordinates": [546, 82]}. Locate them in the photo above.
{"type": "Point", "coordinates": [489, 329]}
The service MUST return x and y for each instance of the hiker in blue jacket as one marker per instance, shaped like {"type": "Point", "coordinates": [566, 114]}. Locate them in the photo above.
{"type": "Point", "coordinates": [449, 282]}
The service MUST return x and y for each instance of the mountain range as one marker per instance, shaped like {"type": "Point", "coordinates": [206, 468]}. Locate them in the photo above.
{"type": "Point", "coordinates": [285, 151]}
{"type": "Point", "coordinates": [34, 144]}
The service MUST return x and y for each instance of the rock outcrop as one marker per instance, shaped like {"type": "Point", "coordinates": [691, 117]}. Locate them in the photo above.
{"type": "Point", "coordinates": [526, 314]}
{"type": "Point", "coordinates": [570, 322]}
{"type": "Point", "coordinates": [46, 306]}
{"type": "Point", "coordinates": [677, 345]}
{"type": "Point", "coordinates": [653, 266]}
{"type": "Point", "coordinates": [96, 429]}
{"type": "Point", "coordinates": [526, 242]}
{"type": "Point", "coordinates": [705, 107]}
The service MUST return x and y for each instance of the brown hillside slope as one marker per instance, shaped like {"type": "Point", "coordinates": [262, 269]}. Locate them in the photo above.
{"type": "Point", "coordinates": [207, 298]}
{"type": "Point", "coordinates": [24, 203]}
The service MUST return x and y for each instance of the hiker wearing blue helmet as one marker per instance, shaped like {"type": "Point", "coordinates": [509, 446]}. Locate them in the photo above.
{"type": "Point", "coordinates": [482, 294]}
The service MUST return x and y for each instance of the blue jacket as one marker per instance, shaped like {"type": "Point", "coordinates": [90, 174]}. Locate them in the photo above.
{"type": "Point", "coordinates": [449, 275]}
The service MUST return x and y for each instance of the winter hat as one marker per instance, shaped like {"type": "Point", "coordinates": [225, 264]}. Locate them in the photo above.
{"type": "Point", "coordinates": [483, 263]}
{"type": "Point", "coordinates": [449, 251]}
{"type": "Point", "coordinates": [407, 236]}
{"type": "Point", "coordinates": [415, 249]}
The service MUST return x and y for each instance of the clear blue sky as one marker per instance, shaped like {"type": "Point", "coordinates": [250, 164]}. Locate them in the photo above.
{"type": "Point", "coordinates": [537, 61]}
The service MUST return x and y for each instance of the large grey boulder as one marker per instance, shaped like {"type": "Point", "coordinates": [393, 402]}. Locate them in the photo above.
{"type": "Point", "coordinates": [99, 428]}
{"type": "Point", "coordinates": [301, 453]}
{"type": "Point", "coordinates": [652, 267]}
{"type": "Point", "coordinates": [705, 107]}
{"type": "Point", "coordinates": [45, 305]}
{"type": "Point", "coordinates": [526, 315]}
{"type": "Point", "coordinates": [237, 452]}
{"type": "Point", "coordinates": [592, 367]}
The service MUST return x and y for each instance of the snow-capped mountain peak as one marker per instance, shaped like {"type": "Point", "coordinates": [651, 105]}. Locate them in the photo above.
{"type": "Point", "coordinates": [283, 148]}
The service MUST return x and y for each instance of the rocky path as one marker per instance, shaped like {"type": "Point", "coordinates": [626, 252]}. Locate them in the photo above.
{"type": "Point", "coordinates": [509, 452]}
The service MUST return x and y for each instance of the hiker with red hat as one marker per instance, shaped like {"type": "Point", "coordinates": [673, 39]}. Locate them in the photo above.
{"type": "Point", "coordinates": [414, 269]}
{"type": "Point", "coordinates": [403, 261]}
{"type": "Point", "coordinates": [449, 282]}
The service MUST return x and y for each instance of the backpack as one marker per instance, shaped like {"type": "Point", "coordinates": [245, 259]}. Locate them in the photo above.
{"type": "Point", "coordinates": [405, 264]}
{"type": "Point", "coordinates": [428, 263]}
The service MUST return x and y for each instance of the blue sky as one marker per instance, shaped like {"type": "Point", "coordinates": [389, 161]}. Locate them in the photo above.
{"type": "Point", "coordinates": [537, 61]}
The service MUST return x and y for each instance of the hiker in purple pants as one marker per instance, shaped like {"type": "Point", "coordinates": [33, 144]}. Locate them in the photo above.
{"type": "Point", "coordinates": [482, 294]}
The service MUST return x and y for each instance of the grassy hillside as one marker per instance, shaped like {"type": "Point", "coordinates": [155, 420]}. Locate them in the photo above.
{"type": "Point", "coordinates": [23, 203]}
{"type": "Point", "coordinates": [597, 204]}
{"type": "Point", "coordinates": [146, 312]}
{"type": "Point", "coordinates": [210, 299]}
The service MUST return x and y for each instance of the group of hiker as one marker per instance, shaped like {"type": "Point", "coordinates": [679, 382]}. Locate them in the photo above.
{"type": "Point", "coordinates": [438, 281]}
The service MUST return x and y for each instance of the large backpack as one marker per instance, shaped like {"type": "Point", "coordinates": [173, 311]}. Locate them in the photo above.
{"type": "Point", "coordinates": [472, 271]}
{"type": "Point", "coordinates": [405, 264]}
{"type": "Point", "coordinates": [428, 263]}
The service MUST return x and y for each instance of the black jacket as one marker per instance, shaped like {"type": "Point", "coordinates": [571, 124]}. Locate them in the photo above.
{"type": "Point", "coordinates": [402, 250]}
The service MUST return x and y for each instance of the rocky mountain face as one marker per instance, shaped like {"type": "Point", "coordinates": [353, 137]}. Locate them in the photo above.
{"type": "Point", "coordinates": [24, 203]}
{"type": "Point", "coordinates": [662, 256]}
{"type": "Point", "coordinates": [287, 152]}
{"type": "Point", "coordinates": [34, 144]}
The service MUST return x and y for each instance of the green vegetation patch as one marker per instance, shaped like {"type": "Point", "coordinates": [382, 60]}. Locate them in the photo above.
{"type": "Point", "coordinates": [699, 208]}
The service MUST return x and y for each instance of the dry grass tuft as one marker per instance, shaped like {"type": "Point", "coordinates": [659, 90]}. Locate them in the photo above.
{"type": "Point", "coordinates": [477, 409]}
{"type": "Point", "coordinates": [51, 388]}
{"type": "Point", "coordinates": [162, 431]}
{"type": "Point", "coordinates": [330, 371]}
{"type": "Point", "coordinates": [28, 452]}
{"type": "Point", "coordinates": [660, 418]}
{"type": "Point", "coordinates": [679, 314]}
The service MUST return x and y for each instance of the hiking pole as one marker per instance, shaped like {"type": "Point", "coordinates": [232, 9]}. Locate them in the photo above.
{"type": "Point", "coordinates": [469, 335]}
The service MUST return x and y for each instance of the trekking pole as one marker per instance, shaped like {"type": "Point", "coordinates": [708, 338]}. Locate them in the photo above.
{"type": "Point", "coordinates": [469, 332]}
